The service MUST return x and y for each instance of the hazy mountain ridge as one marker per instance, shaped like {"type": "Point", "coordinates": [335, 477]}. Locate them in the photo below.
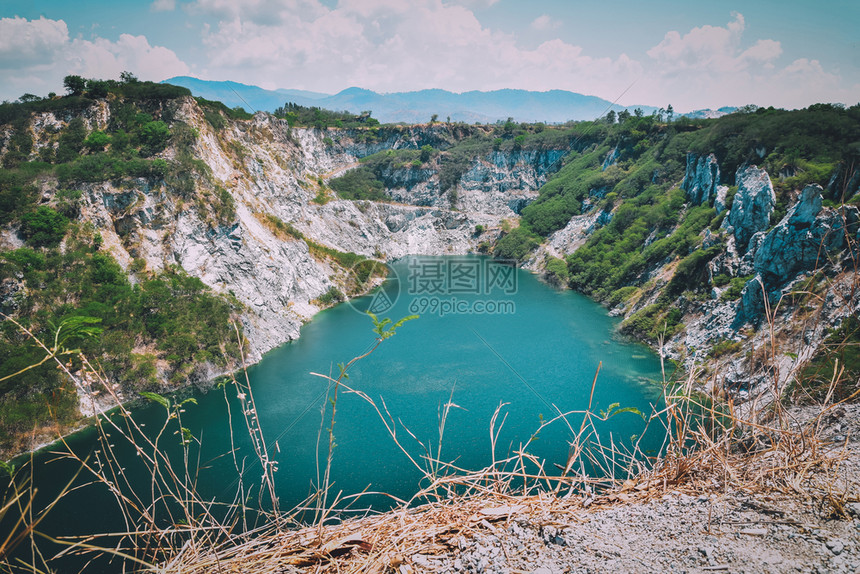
{"type": "Point", "coordinates": [554, 106]}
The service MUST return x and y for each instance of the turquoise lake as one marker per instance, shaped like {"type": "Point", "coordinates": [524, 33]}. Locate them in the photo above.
{"type": "Point", "coordinates": [538, 347]}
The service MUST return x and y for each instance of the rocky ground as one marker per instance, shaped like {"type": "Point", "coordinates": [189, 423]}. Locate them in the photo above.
{"type": "Point", "coordinates": [731, 532]}
{"type": "Point", "coordinates": [804, 520]}
{"type": "Point", "coordinates": [746, 529]}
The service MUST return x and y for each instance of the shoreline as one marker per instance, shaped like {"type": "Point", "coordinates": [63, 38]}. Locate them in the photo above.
{"type": "Point", "coordinates": [88, 421]}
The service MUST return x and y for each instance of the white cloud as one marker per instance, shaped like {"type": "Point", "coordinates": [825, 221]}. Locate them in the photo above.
{"type": "Point", "coordinates": [35, 55]}
{"type": "Point", "coordinates": [392, 45]}
{"type": "Point", "coordinates": [25, 43]}
{"type": "Point", "coordinates": [713, 66]}
{"type": "Point", "coordinates": [712, 49]}
{"type": "Point", "coordinates": [163, 6]}
{"type": "Point", "coordinates": [105, 59]}
{"type": "Point", "coordinates": [400, 45]}
{"type": "Point", "coordinates": [544, 22]}
{"type": "Point", "coordinates": [475, 3]}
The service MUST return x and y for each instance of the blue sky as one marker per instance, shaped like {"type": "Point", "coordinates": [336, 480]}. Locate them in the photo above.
{"type": "Point", "coordinates": [690, 54]}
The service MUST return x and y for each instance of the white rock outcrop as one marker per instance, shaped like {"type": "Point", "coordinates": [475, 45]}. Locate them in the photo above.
{"type": "Point", "coordinates": [272, 174]}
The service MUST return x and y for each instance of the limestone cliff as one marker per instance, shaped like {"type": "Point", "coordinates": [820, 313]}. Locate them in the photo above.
{"type": "Point", "coordinates": [758, 271]}
{"type": "Point", "coordinates": [269, 172]}
{"type": "Point", "coordinates": [702, 178]}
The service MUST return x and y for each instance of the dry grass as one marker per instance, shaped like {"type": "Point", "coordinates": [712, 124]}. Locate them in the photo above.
{"type": "Point", "coordinates": [465, 503]}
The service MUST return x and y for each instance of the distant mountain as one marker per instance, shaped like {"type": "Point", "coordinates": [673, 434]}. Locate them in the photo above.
{"type": "Point", "coordinates": [554, 106]}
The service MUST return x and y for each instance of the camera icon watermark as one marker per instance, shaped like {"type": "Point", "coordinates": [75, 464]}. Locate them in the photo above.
{"type": "Point", "coordinates": [445, 286]}
{"type": "Point", "coordinates": [385, 288]}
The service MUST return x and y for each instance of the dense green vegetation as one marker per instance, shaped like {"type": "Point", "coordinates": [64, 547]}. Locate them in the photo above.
{"type": "Point", "coordinates": [651, 223]}
{"type": "Point", "coordinates": [359, 183]}
{"type": "Point", "coordinates": [650, 161]}
{"type": "Point", "coordinates": [158, 330]}
{"type": "Point", "coordinates": [216, 112]}
{"type": "Point", "coordinates": [320, 118]}
{"type": "Point", "coordinates": [166, 320]}
{"type": "Point", "coordinates": [74, 154]}
{"type": "Point", "coordinates": [516, 245]}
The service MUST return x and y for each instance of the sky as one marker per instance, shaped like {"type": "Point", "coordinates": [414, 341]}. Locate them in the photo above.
{"type": "Point", "coordinates": [692, 55]}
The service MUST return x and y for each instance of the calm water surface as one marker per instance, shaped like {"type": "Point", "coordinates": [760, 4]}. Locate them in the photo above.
{"type": "Point", "coordinates": [543, 352]}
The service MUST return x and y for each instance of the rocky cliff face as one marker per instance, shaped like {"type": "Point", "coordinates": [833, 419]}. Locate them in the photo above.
{"type": "Point", "coordinates": [754, 202]}
{"type": "Point", "coordinates": [806, 239]}
{"type": "Point", "coordinates": [810, 238]}
{"type": "Point", "coordinates": [271, 172]}
{"type": "Point", "coordinates": [498, 184]}
{"type": "Point", "coordinates": [761, 266]}
{"type": "Point", "coordinates": [702, 178]}
{"type": "Point", "coordinates": [505, 182]}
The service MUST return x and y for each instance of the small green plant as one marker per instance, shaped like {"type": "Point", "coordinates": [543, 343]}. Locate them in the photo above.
{"type": "Point", "coordinates": [736, 286]}
{"type": "Point", "coordinates": [721, 279]}
{"type": "Point", "coordinates": [44, 227]}
{"type": "Point", "coordinates": [97, 141]}
{"type": "Point", "coordinates": [331, 297]}
{"type": "Point", "coordinates": [322, 197]}
{"type": "Point", "coordinates": [724, 347]}
{"type": "Point", "coordinates": [517, 245]}
{"type": "Point", "coordinates": [556, 270]}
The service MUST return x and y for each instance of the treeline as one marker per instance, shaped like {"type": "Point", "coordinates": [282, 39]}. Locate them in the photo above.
{"type": "Point", "coordinates": [82, 92]}
{"type": "Point", "coordinates": [321, 118]}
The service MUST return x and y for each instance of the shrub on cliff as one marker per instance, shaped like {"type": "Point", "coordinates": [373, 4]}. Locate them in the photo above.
{"type": "Point", "coordinates": [43, 227]}
{"type": "Point", "coordinates": [516, 245]}
{"type": "Point", "coordinates": [359, 183]}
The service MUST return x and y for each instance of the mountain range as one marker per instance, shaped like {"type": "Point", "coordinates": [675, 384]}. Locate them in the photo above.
{"type": "Point", "coordinates": [554, 106]}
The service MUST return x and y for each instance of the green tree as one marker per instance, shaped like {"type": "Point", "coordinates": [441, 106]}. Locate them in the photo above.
{"type": "Point", "coordinates": [119, 142]}
{"type": "Point", "coordinates": [43, 227]}
{"type": "Point", "coordinates": [153, 137]}
{"type": "Point", "coordinates": [97, 88]}
{"type": "Point", "coordinates": [516, 245]}
{"type": "Point", "coordinates": [426, 153]}
{"type": "Point", "coordinates": [75, 84]}
{"type": "Point", "coordinates": [71, 140]}
{"type": "Point", "coordinates": [97, 140]}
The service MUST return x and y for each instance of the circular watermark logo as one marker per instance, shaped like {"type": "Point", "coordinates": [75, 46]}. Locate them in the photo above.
{"type": "Point", "coordinates": [382, 284]}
